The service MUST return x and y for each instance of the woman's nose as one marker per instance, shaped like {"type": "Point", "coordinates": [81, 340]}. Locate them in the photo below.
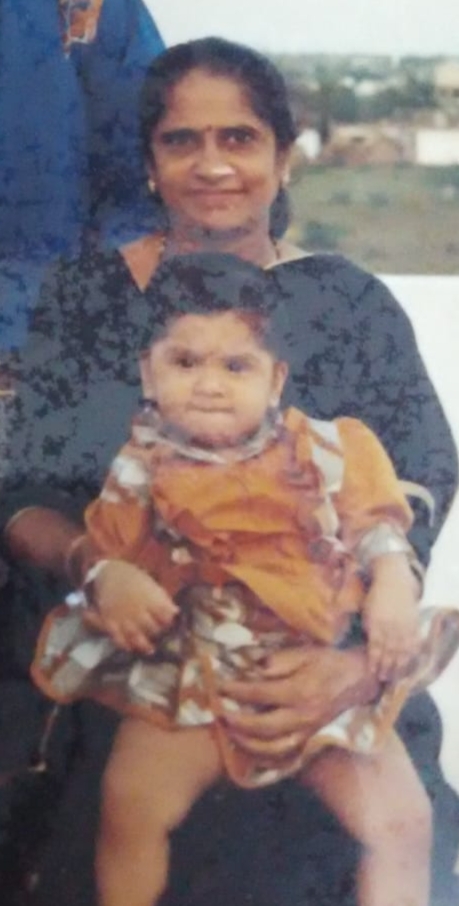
{"type": "Point", "coordinates": [211, 162]}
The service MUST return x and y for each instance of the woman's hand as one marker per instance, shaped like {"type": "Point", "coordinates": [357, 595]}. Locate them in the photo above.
{"type": "Point", "coordinates": [129, 606]}
{"type": "Point", "coordinates": [299, 691]}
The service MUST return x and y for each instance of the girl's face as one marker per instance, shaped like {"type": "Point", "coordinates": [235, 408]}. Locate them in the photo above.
{"type": "Point", "coordinates": [211, 379]}
{"type": "Point", "coordinates": [215, 163]}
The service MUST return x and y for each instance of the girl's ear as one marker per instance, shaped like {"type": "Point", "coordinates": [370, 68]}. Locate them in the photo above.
{"type": "Point", "coordinates": [146, 376]}
{"type": "Point", "coordinates": [280, 375]}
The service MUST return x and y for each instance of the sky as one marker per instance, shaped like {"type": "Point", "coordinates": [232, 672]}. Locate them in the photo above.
{"type": "Point", "coordinates": [395, 27]}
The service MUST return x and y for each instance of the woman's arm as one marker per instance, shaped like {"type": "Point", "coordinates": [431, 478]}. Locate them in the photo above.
{"type": "Point", "coordinates": [353, 352]}
{"type": "Point", "coordinates": [41, 537]}
{"type": "Point", "coordinates": [396, 397]}
{"type": "Point", "coordinates": [51, 444]}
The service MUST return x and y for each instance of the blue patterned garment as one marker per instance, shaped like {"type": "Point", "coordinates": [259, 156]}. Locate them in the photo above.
{"type": "Point", "coordinates": [70, 157]}
{"type": "Point", "coordinates": [79, 21]}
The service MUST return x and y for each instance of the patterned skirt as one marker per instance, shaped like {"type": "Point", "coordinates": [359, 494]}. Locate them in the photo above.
{"type": "Point", "coordinates": [220, 634]}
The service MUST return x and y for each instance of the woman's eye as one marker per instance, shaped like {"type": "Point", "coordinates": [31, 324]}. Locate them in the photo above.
{"type": "Point", "coordinates": [239, 137]}
{"type": "Point", "coordinates": [178, 138]}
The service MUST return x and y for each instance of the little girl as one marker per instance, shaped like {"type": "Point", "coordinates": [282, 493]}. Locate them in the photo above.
{"type": "Point", "coordinates": [254, 529]}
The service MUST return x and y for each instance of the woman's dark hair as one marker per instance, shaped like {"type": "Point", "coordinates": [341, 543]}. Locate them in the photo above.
{"type": "Point", "coordinates": [207, 283]}
{"type": "Point", "coordinates": [258, 78]}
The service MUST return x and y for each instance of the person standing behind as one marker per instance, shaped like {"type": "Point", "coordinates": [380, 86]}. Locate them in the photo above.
{"type": "Point", "coordinates": [71, 160]}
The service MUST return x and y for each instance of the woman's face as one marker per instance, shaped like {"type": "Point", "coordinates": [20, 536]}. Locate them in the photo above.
{"type": "Point", "coordinates": [214, 161]}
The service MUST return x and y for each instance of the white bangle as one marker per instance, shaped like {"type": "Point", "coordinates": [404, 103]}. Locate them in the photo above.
{"type": "Point", "coordinates": [95, 571]}
{"type": "Point", "coordinates": [383, 538]}
{"type": "Point", "coordinates": [79, 598]}
{"type": "Point", "coordinates": [76, 599]}
{"type": "Point", "coordinates": [89, 579]}
{"type": "Point", "coordinates": [69, 560]}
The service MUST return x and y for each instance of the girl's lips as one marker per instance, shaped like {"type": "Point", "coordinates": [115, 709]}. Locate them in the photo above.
{"type": "Point", "coordinates": [210, 410]}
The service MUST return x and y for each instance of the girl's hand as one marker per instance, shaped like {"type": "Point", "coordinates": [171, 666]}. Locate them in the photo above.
{"type": "Point", "coordinates": [391, 617]}
{"type": "Point", "coordinates": [392, 625]}
{"type": "Point", "coordinates": [130, 606]}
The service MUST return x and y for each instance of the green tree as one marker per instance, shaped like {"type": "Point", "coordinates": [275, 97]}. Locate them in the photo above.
{"type": "Point", "coordinates": [344, 106]}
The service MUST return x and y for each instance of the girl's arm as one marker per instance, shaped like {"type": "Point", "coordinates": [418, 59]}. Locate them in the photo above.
{"type": "Point", "coordinates": [118, 557]}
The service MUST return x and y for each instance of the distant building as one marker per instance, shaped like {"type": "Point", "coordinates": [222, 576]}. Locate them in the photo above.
{"type": "Point", "coordinates": [368, 88]}
{"type": "Point", "coordinates": [376, 64]}
{"type": "Point", "coordinates": [446, 79]}
{"type": "Point", "coordinates": [436, 147]}
{"type": "Point", "coordinates": [446, 82]}
{"type": "Point", "coordinates": [309, 143]}
{"type": "Point", "coordinates": [366, 143]}
{"type": "Point", "coordinates": [349, 82]}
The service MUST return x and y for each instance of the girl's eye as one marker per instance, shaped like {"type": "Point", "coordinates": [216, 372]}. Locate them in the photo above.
{"type": "Point", "coordinates": [237, 365]}
{"type": "Point", "coordinates": [185, 361]}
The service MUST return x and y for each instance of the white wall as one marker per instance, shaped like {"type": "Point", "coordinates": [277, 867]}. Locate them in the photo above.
{"type": "Point", "coordinates": [437, 147]}
{"type": "Point", "coordinates": [309, 142]}
{"type": "Point", "coordinates": [432, 303]}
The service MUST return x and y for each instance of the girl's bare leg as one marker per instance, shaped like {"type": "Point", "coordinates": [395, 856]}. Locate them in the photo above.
{"type": "Point", "coordinates": [151, 781]}
{"type": "Point", "coordinates": [380, 800]}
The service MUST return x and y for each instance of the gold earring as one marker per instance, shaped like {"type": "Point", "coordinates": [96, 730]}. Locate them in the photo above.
{"type": "Point", "coordinates": [151, 185]}
{"type": "Point", "coordinates": [285, 180]}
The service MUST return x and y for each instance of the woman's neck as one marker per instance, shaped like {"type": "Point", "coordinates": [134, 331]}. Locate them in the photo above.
{"type": "Point", "coordinates": [143, 256]}
{"type": "Point", "coordinates": [257, 247]}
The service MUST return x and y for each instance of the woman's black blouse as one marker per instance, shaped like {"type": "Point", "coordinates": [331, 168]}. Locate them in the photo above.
{"type": "Point", "coordinates": [350, 346]}
{"type": "Point", "coordinates": [352, 351]}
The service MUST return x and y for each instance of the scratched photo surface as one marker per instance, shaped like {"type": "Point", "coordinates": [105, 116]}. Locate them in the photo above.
{"type": "Point", "coordinates": [374, 179]}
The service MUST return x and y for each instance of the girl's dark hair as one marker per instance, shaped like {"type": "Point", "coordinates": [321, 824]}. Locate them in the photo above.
{"type": "Point", "coordinates": [208, 283]}
{"type": "Point", "coordinates": [258, 78]}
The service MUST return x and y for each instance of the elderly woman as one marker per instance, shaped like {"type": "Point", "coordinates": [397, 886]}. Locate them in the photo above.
{"type": "Point", "coordinates": [217, 134]}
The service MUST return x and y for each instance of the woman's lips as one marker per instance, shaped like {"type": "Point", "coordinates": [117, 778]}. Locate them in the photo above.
{"type": "Point", "coordinates": [216, 195]}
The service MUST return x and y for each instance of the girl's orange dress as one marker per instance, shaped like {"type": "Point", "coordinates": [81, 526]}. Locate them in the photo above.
{"type": "Point", "coordinates": [268, 551]}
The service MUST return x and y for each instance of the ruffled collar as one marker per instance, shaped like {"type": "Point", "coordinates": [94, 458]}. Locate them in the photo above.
{"type": "Point", "coordinates": [150, 429]}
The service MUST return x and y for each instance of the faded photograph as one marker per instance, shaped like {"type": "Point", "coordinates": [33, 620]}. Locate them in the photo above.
{"type": "Point", "coordinates": [228, 453]}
